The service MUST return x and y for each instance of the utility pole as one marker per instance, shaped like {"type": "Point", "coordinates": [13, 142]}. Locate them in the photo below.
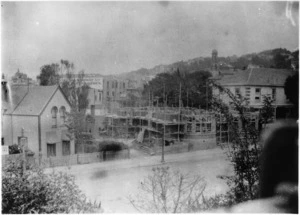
{"type": "Point", "coordinates": [206, 96]}
{"type": "Point", "coordinates": [23, 143]}
{"type": "Point", "coordinates": [179, 109]}
{"type": "Point", "coordinates": [164, 131]}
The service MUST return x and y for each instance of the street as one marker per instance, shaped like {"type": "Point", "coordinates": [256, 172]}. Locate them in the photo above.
{"type": "Point", "coordinates": [114, 181]}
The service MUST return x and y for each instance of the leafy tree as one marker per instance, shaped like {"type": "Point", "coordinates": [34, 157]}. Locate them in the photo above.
{"type": "Point", "coordinates": [166, 191]}
{"type": "Point", "coordinates": [75, 89]}
{"type": "Point", "coordinates": [49, 75]}
{"type": "Point", "coordinates": [244, 148]}
{"type": "Point", "coordinates": [267, 111]}
{"type": "Point", "coordinates": [166, 88]}
{"type": "Point", "coordinates": [282, 61]}
{"type": "Point", "coordinates": [33, 191]}
{"type": "Point", "coordinates": [291, 90]}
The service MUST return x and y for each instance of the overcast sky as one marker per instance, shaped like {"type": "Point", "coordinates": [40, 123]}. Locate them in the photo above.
{"type": "Point", "coordinates": [116, 37]}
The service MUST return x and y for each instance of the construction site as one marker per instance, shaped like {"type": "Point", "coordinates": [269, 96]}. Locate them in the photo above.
{"type": "Point", "coordinates": [186, 128]}
{"type": "Point", "coordinates": [181, 129]}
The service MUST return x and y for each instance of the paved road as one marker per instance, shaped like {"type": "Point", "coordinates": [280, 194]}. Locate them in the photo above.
{"type": "Point", "coordinates": [112, 182]}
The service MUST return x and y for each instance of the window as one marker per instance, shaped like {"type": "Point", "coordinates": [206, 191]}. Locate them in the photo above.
{"type": "Point", "coordinates": [257, 94]}
{"type": "Point", "coordinates": [113, 94]}
{"type": "Point", "coordinates": [107, 93]}
{"type": "Point", "coordinates": [124, 85]}
{"type": "Point", "coordinates": [116, 84]}
{"type": "Point", "coordinates": [62, 113]}
{"type": "Point", "coordinates": [248, 92]}
{"type": "Point", "coordinates": [189, 127]}
{"type": "Point", "coordinates": [93, 110]}
{"type": "Point", "coordinates": [51, 150]}
{"type": "Point", "coordinates": [208, 127]}
{"type": "Point", "coordinates": [66, 147]}
{"type": "Point", "coordinates": [197, 127]}
{"type": "Point", "coordinates": [274, 94]}
{"type": "Point", "coordinates": [54, 117]}
{"type": "Point", "coordinates": [100, 96]}
{"type": "Point", "coordinates": [107, 84]}
{"type": "Point", "coordinates": [237, 91]}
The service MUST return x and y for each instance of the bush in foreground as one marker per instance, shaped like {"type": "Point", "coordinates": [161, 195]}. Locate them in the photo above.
{"type": "Point", "coordinates": [166, 191]}
{"type": "Point", "coordinates": [33, 191]}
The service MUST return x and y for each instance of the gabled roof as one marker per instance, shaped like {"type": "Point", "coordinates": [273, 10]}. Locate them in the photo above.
{"type": "Point", "coordinates": [255, 77]}
{"type": "Point", "coordinates": [32, 100]}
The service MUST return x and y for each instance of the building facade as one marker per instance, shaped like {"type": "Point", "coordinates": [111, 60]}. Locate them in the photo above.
{"type": "Point", "coordinates": [255, 84]}
{"type": "Point", "coordinates": [38, 115]}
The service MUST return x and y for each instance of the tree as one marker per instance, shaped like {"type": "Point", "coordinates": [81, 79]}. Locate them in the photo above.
{"type": "Point", "coordinates": [74, 87]}
{"type": "Point", "coordinates": [267, 111]}
{"type": "Point", "coordinates": [291, 90]}
{"type": "Point", "coordinates": [244, 148]}
{"type": "Point", "coordinates": [49, 75]}
{"type": "Point", "coordinates": [166, 191]}
{"type": "Point", "coordinates": [33, 191]}
{"type": "Point", "coordinates": [282, 60]}
{"type": "Point", "coordinates": [166, 88]}
{"type": "Point", "coordinates": [76, 90]}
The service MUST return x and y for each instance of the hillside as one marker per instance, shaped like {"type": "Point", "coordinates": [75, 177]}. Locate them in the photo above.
{"type": "Point", "coordinates": [275, 58]}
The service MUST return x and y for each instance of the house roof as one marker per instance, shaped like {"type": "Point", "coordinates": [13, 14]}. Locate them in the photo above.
{"type": "Point", "coordinates": [255, 77]}
{"type": "Point", "coordinates": [30, 100]}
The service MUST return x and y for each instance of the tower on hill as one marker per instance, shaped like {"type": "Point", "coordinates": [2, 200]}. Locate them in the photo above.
{"type": "Point", "coordinates": [214, 63]}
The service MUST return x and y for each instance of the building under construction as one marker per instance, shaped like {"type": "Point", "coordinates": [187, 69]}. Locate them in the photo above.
{"type": "Point", "coordinates": [151, 126]}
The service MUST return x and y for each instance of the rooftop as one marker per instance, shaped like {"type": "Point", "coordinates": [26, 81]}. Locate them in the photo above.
{"type": "Point", "coordinates": [255, 77]}
{"type": "Point", "coordinates": [24, 100]}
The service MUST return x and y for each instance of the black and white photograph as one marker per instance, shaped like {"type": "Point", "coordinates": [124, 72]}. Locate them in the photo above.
{"type": "Point", "coordinates": [149, 107]}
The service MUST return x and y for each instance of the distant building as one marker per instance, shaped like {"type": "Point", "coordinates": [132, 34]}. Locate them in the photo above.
{"type": "Point", "coordinates": [254, 84]}
{"type": "Point", "coordinates": [21, 79]}
{"type": "Point", "coordinates": [214, 63]}
{"type": "Point", "coordinates": [38, 114]}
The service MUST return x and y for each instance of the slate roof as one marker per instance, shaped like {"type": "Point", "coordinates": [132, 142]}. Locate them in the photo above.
{"type": "Point", "coordinates": [256, 77]}
{"type": "Point", "coordinates": [30, 101]}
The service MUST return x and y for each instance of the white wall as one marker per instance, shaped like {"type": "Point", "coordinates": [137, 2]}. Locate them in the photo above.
{"type": "Point", "coordinates": [58, 100]}
{"type": "Point", "coordinates": [280, 95]}
{"type": "Point", "coordinates": [12, 127]}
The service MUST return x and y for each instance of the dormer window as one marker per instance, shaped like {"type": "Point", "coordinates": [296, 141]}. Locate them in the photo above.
{"type": "Point", "coordinates": [54, 117]}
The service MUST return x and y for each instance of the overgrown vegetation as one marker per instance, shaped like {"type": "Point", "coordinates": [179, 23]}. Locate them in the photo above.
{"type": "Point", "coordinates": [166, 191]}
{"type": "Point", "coordinates": [33, 191]}
{"type": "Point", "coordinates": [243, 149]}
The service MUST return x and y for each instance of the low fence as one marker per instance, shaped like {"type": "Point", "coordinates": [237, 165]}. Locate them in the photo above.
{"type": "Point", "coordinates": [69, 160]}
{"type": "Point", "coordinates": [17, 158]}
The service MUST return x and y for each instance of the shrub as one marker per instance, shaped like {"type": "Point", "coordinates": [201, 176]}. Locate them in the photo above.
{"type": "Point", "coordinates": [111, 146]}
{"type": "Point", "coordinates": [14, 149]}
{"type": "Point", "coordinates": [33, 191]}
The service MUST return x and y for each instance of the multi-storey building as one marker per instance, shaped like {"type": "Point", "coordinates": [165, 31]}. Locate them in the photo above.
{"type": "Point", "coordinates": [254, 84]}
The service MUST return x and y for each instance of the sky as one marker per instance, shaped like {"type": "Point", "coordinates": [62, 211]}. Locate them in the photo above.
{"type": "Point", "coordinates": [116, 37]}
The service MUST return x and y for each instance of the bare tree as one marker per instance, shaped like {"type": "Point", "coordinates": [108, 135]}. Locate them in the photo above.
{"type": "Point", "coordinates": [166, 191]}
